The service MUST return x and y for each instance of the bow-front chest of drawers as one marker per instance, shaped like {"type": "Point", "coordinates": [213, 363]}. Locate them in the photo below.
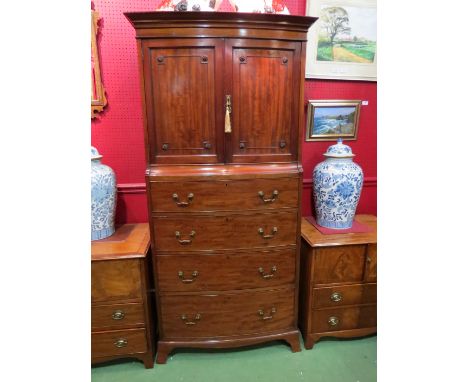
{"type": "Point", "coordinates": [121, 320]}
{"type": "Point", "coordinates": [226, 259]}
{"type": "Point", "coordinates": [223, 110]}
{"type": "Point", "coordinates": [338, 283]}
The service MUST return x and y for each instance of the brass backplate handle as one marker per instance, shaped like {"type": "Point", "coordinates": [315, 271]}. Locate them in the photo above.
{"type": "Point", "coordinates": [184, 241]}
{"type": "Point", "coordinates": [336, 296]}
{"type": "Point", "coordinates": [194, 322]}
{"type": "Point", "coordinates": [121, 343]}
{"type": "Point", "coordinates": [267, 275]}
{"type": "Point", "coordinates": [274, 196]}
{"type": "Point", "coordinates": [118, 315]}
{"type": "Point", "coordinates": [333, 321]}
{"type": "Point", "coordinates": [187, 281]}
{"type": "Point", "coordinates": [261, 313]}
{"type": "Point", "coordinates": [190, 197]}
{"type": "Point", "coordinates": [273, 233]}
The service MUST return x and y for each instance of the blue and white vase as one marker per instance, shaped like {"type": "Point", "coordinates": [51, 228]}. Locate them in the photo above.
{"type": "Point", "coordinates": [337, 187]}
{"type": "Point", "coordinates": [103, 198]}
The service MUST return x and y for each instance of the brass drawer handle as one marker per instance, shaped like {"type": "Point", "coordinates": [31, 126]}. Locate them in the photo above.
{"type": "Point", "coordinates": [336, 296]}
{"type": "Point", "coordinates": [261, 313]}
{"type": "Point", "coordinates": [268, 200]}
{"type": "Point", "coordinates": [187, 281]}
{"type": "Point", "coordinates": [333, 321]}
{"type": "Point", "coordinates": [184, 241]}
{"type": "Point", "coordinates": [190, 197]}
{"type": "Point", "coordinates": [194, 322]}
{"type": "Point", "coordinates": [267, 276]}
{"type": "Point", "coordinates": [121, 343]}
{"type": "Point", "coordinates": [273, 232]}
{"type": "Point", "coordinates": [118, 315]}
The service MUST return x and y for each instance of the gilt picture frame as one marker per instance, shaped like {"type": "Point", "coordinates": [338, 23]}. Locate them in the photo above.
{"type": "Point", "coordinates": [328, 120]}
{"type": "Point", "coordinates": [98, 94]}
{"type": "Point", "coordinates": [342, 44]}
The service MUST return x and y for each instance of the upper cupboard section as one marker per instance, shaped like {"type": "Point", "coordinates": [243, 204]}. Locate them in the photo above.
{"type": "Point", "coordinates": [221, 88]}
{"type": "Point", "coordinates": [195, 89]}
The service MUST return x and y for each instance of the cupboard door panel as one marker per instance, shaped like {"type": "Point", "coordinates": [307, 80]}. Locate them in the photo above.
{"type": "Point", "coordinates": [115, 280]}
{"type": "Point", "coordinates": [264, 100]}
{"type": "Point", "coordinates": [184, 105]}
{"type": "Point", "coordinates": [339, 264]}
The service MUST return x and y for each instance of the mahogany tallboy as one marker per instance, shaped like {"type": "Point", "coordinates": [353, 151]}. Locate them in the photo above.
{"type": "Point", "coordinates": [223, 111]}
{"type": "Point", "coordinates": [121, 319]}
{"type": "Point", "coordinates": [338, 283]}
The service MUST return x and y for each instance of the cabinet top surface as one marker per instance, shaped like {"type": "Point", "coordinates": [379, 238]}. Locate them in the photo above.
{"type": "Point", "coordinates": [219, 24]}
{"type": "Point", "coordinates": [316, 239]}
{"type": "Point", "coordinates": [211, 172]}
{"type": "Point", "coordinates": [139, 19]}
{"type": "Point", "coordinates": [128, 241]}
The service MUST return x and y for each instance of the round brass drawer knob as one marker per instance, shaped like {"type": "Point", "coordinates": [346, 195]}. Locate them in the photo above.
{"type": "Point", "coordinates": [118, 315]}
{"type": "Point", "coordinates": [336, 297]}
{"type": "Point", "coordinates": [333, 321]}
{"type": "Point", "coordinates": [121, 343]}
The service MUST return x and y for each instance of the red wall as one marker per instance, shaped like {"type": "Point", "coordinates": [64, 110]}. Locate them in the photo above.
{"type": "Point", "coordinates": [118, 132]}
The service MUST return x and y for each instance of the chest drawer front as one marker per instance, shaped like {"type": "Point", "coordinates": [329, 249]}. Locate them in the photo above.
{"type": "Point", "coordinates": [227, 314]}
{"type": "Point", "coordinates": [339, 264]}
{"type": "Point", "coordinates": [233, 195]}
{"type": "Point", "coordinates": [344, 295]}
{"type": "Point", "coordinates": [117, 315]}
{"type": "Point", "coordinates": [192, 233]}
{"type": "Point", "coordinates": [118, 342]}
{"type": "Point", "coordinates": [335, 319]}
{"type": "Point", "coordinates": [114, 280]}
{"type": "Point", "coordinates": [187, 273]}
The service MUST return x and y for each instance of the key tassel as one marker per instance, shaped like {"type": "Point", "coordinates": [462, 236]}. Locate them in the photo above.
{"type": "Point", "coordinates": [227, 122]}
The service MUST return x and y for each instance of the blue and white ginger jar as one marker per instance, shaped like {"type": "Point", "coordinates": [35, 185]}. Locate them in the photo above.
{"type": "Point", "coordinates": [337, 187]}
{"type": "Point", "coordinates": [103, 198]}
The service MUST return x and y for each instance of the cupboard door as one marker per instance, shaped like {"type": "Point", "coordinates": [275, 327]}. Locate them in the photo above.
{"type": "Point", "coordinates": [263, 80]}
{"type": "Point", "coordinates": [184, 96]}
{"type": "Point", "coordinates": [342, 264]}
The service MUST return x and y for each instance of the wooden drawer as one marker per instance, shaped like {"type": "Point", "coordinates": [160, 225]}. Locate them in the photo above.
{"type": "Point", "coordinates": [118, 342]}
{"type": "Point", "coordinates": [117, 315]}
{"type": "Point", "coordinates": [113, 280]}
{"type": "Point", "coordinates": [344, 318]}
{"type": "Point", "coordinates": [227, 314]}
{"type": "Point", "coordinates": [224, 195]}
{"type": "Point", "coordinates": [339, 264]}
{"type": "Point", "coordinates": [344, 295]}
{"type": "Point", "coordinates": [225, 232]}
{"type": "Point", "coordinates": [226, 271]}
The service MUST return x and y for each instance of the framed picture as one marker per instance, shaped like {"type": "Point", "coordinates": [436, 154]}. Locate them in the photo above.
{"type": "Point", "coordinates": [328, 120]}
{"type": "Point", "coordinates": [342, 44]}
{"type": "Point", "coordinates": [98, 94]}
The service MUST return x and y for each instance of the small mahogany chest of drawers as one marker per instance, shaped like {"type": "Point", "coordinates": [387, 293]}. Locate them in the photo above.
{"type": "Point", "coordinates": [338, 294]}
{"type": "Point", "coordinates": [120, 305]}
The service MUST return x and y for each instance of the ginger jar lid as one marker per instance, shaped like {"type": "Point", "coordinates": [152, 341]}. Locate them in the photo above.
{"type": "Point", "coordinates": [95, 154]}
{"type": "Point", "coordinates": [339, 150]}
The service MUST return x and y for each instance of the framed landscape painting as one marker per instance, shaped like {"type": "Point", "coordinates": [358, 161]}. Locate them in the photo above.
{"type": "Point", "coordinates": [328, 120]}
{"type": "Point", "coordinates": [342, 44]}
